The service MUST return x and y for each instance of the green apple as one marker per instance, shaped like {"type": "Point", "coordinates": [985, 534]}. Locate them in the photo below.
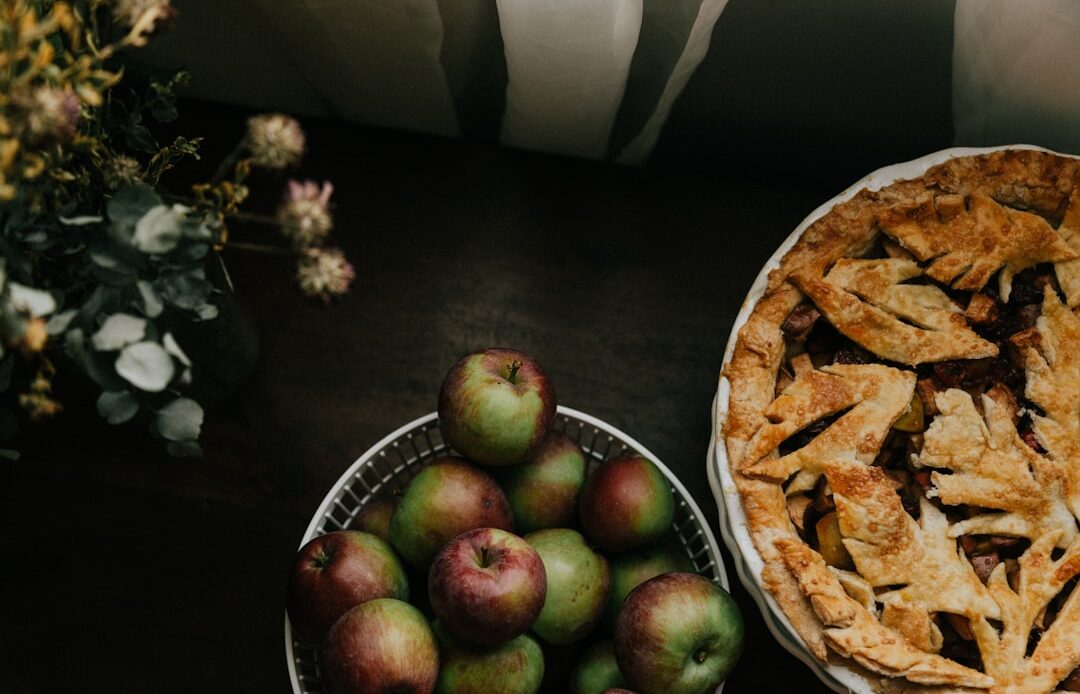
{"type": "Point", "coordinates": [496, 406]}
{"type": "Point", "coordinates": [515, 667]}
{"type": "Point", "coordinates": [543, 491]}
{"type": "Point", "coordinates": [578, 584]}
{"type": "Point", "coordinates": [596, 671]}
{"type": "Point", "coordinates": [631, 569]}
{"type": "Point", "coordinates": [626, 502]}
{"type": "Point", "coordinates": [678, 633]}
{"type": "Point", "coordinates": [448, 497]}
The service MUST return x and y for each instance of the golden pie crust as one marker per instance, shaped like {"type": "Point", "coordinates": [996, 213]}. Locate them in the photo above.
{"type": "Point", "coordinates": [970, 225]}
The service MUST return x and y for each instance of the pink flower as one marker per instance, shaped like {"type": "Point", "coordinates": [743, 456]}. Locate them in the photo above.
{"type": "Point", "coordinates": [46, 114]}
{"type": "Point", "coordinates": [304, 214]}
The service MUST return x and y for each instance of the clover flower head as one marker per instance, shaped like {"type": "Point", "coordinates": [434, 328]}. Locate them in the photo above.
{"type": "Point", "coordinates": [324, 273]}
{"type": "Point", "coordinates": [46, 114]}
{"type": "Point", "coordinates": [304, 214]}
{"type": "Point", "coordinates": [276, 141]}
{"type": "Point", "coordinates": [145, 16]}
{"type": "Point", "coordinates": [121, 171]}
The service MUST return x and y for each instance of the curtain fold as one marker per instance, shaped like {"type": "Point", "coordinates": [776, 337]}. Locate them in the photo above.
{"type": "Point", "coordinates": [669, 18]}
{"type": "Point", "coordinates": [1016, 73]}
{"type": "Point", "coordinates": [567, 64]}
{"type": "Point", "coordinates": [374, 62]}
{"type": "Point", "coordinates": [587, 78]}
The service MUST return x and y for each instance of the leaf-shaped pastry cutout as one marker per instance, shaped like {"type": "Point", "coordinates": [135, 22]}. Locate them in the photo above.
{"type": "Point", "coordinates": [1053, 383]}
{"type": "Point", "coordinates": [992, 468]}
{"type": "Point", "coordinates": [890, 548]}
{"type": "Point", "coordinates": [853, 632]}
{"type": "Point", "coordinates": [877, 396]}
{"type": "Point", "coordinates": [1068, 271]}
{"type": "Point", "coordinates": [1058, 651]}
{"type": "Point", "coordinates": [915, 624]}
{"type": "Point", "coordinates": [906, 323]}
{"type": "Point", "coordinates": [968, 247]}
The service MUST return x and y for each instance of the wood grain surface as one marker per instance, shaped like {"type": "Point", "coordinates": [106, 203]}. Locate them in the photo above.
{"type": "Point", "coordinates": [129, 571]}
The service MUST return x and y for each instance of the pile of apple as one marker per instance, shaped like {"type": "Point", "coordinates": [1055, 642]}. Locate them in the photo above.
{"type": "Point", "coordinates": [593, 576]}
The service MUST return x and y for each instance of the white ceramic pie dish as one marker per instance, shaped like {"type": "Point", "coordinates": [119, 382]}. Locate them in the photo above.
{"type": "Point", "coordinates": [733, 527]}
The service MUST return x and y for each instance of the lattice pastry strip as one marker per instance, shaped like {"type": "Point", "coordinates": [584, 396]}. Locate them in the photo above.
{"type": "Point", "coordinates": [968, 244]}
{"type": "Point", "coordinates": [876, 395]}
{"type": "Point", "coordinates": [1040, 579]}
{"type": "Point", "coordinates": [1052, 364]}
{"type": "Point", "coordinates": [890, 548]}
{"type": "Point", "coordinates": [905, 323]}
{"type": "Point", "coordinates": [853, 632]}
{"type": "Point", "coordinates": [1068, 271]}
{"type": "Point", "coordinates": [992, 468]}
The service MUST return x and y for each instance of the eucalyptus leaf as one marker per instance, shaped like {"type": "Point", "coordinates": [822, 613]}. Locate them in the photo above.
{"type": "Point", "coordinates": [9, 454]}
{"type": "Point", "coordinates": [180, 420]}
{"type": "Point", "coordinates": [101, 368]}
{"type": "Point", "coordinates": [102, 256]}
{"type": "Point", "coordinates": [122, 276]}
{"type": "Point", "coordinates": [158, 231]}
{"type": "Point", "coordinates": [60, 322]}
{"type": "Point", "coordinates": [118, 331]}
{"type": "Point", "coordinates": [197, 231]}
{"type": "Point", "coordinates": [192, 251]}
{"type": "Point", "coordinates": [81, 221]}
{"type": "Point", "coordinates": [152, 304]}
{"type": "Point", "coordinates": [207, 312]}
{"type": "Point", "coordinates": [36, 302]}
{"type": "Point", "coordinates": [128, 206]}
{"type": "Point", "coordinates": [186, 290]}
{"type": "Point", "coordinates": [101, 300]}
{"type": "Point", "coordinates": [146, 365]}
{"type": "Point", "coordinates": [173, 348]}
{"type": "Point", "coordinates": [184, 449]}
{"type": "Point", "coordinates": [117, 407]}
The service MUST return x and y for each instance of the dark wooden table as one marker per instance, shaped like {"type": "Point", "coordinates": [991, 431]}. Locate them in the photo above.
{"type": "Point", "coordinates": [129, 571]}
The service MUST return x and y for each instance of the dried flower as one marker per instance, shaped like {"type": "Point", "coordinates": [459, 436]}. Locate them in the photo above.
{"type": "Point", "coordinates": [143, 16]}
{"type": "Point", "coordinates": [45, 114]}
{"type": "Point", "coordinates": [37, 401]}
{"type": "Point", "coordinates": [121, 171]}
{"type": "Point", "coordinates": [36, 335]}
{"type": "Point", "coordinates": [324, 273]}
{"type": "Point", "coordinates": [275, 141]}
{"type": "Point", "coordinates": [304, 214]}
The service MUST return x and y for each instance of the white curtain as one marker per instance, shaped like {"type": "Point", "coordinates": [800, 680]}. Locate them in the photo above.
{"type": "Point", "coordinates": [589, 78]}
{"type": "Point", "coordinates": [567, 62]}
{"type": "Point", "coordinates": [1016, 73]}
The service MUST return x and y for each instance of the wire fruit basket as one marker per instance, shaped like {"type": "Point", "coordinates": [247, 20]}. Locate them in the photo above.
{"type": "Point", "coordinates": [393, 462]}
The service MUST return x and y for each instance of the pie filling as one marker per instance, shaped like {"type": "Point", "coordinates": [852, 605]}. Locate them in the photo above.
{"type": "Point", "coordinates": [925, 430]}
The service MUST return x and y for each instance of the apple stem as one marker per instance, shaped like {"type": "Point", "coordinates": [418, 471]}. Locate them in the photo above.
{"type": "Point", "coordinates": [700, 657]}
{"type": "Point", "coordinates": [512, 375]}
{"type": "Point", "coordinates": [484, 557]}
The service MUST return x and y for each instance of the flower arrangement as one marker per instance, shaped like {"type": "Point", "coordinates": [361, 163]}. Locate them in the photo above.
{"type": "Point", "coordinates": [98, 263]}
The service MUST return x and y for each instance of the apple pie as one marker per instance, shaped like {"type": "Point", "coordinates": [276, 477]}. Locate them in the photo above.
{"type": "Point", "coordinates": [903, 429]}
